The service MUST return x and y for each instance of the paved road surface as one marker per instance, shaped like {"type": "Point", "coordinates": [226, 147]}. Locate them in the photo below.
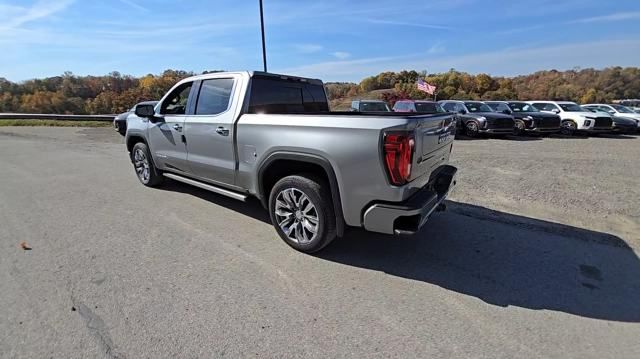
{"type": "Point", "coordinates": [122, 271]}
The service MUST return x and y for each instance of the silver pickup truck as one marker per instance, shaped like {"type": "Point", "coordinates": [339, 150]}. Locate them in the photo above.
{"type": "Point", "coordinates": [242, 134]}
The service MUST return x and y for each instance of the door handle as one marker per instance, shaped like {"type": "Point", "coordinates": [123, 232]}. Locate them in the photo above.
{"type": "Point", "coordinates": [222, 131]}
{"type": "Point", "coordinates": [177, 127]}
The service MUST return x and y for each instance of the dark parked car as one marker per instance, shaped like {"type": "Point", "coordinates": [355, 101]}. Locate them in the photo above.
{"type": "Point", "coordinates": [120, 121]}
{"type": "Point", "coordinates": [417, 106]}
{"type": "Point", "coordinates": [476, 117]}
{"type": "Point", "coordinates": [621, 124]}
{"type": "Point", "coordinates": [528, 119]}
{"type": "Point", "coordinates": [369, 106]}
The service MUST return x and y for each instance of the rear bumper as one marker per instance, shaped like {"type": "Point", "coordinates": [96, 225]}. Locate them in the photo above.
{"type": "Point", "coordinates": [409, 216]}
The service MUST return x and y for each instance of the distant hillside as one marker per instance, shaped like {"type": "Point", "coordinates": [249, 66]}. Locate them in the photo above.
{"type": "Point", "coordinates": [115, 92]}
{"type": "Point", "coordinates": [586, 85]}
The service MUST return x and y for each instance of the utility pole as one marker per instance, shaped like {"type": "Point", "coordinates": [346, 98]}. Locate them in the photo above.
{"type": "Point", "coordinates": [264, 48]}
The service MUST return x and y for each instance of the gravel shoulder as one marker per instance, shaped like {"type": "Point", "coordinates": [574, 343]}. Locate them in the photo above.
{"type": "Point", "coordinates": [589, 183]}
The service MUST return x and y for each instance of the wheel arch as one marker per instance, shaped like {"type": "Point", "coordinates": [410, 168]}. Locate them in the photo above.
{"type": "Point", "coordinates": [281, 164]}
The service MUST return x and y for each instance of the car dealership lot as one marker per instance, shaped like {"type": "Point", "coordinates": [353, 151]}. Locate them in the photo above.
{"type": "Point", "coordinates": [119, 270]}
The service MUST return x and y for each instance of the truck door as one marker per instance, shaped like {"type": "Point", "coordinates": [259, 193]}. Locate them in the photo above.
{"type": "Point", "coordinates": [165, 136]}
{"type": "Point", "coordinates": [209, 131]}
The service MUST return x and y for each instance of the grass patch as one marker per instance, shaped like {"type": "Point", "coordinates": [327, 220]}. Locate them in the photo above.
{"type": "Point", "coordinates": [55, 123]}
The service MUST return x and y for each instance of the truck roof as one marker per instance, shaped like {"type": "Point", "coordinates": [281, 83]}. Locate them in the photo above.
{"type": "Point", "coordinates": [253, 74]}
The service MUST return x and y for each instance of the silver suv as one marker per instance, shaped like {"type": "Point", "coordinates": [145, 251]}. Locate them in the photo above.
{"type": "Point", "coordinates": [270, 136]}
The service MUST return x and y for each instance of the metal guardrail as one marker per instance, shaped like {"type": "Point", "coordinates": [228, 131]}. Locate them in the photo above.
{"type": "Point", "coordinates": [40, 116]}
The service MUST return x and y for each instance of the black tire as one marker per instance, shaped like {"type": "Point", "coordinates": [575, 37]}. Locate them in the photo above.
{"type": "Point", "coordinates": [519, 127]}
{"type": "Point", "coordinates": [568, 128]}
{"type": "Point", "coordinates": [146, 170]}
{"type": "Point", "coordinates": [471, 129]}
{"type": "Point", "coordinates": [299, 222]}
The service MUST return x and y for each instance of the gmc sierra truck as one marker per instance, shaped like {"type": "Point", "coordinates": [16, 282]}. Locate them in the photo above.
{"type": "Point", "coordinates": [317, 172]}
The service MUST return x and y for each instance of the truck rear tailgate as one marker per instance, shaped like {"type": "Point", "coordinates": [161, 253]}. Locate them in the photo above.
{"type": "Point", "coordinates": [433, 140]}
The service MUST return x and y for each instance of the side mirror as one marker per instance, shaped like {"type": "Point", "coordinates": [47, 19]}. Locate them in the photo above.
{"type": "Point", "coordinates": [146, 111]}
{"type": "Point", "coordinates": [555, 110]}
{"type": "Point", "coordinates": [462, 112]}
{"type": "Point", "coordinates": [507, 112]}
{"type": "Point", "coordinates": [611, 112]}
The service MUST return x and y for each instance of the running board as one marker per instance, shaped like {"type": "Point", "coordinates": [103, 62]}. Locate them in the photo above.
{"type": "Point", "coordinates": [208, 187]}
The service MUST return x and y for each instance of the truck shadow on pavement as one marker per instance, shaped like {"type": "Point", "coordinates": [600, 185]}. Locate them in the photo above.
{"type": "Point", "coordinates": [500, 258]}
{"type": "Point", "coordinates": [507, 260]}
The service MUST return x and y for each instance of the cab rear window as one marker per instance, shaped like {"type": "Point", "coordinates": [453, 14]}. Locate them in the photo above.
{"type": "Point", "coordinates": [282, 96]}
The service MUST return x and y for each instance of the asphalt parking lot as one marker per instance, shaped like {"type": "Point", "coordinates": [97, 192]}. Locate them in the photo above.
{"type": "Point", "coordinates": [536, 257]}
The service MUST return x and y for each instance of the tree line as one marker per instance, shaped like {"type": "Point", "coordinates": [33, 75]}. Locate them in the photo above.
{"type": "Point", "coordinates": [579, 85]}
{"type": "Point", "coordinates": [115, 93]}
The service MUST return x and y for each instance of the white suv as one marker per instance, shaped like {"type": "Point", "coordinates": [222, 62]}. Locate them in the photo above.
{"type": "Point", "coordinates": [575, 118]}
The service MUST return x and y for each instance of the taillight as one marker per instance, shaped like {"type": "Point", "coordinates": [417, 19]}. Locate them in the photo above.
{"type": "Point", "coordinates": [398, 155]}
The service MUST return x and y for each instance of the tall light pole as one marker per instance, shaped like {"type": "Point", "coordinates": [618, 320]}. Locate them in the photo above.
{"type": "Point", "coordinates": [264, 48]}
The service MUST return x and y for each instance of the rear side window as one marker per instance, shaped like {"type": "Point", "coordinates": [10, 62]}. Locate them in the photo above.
{"type": "Point", "coordinates": [449, 106]}
{"type": "Point", "coordinates": [428, 107]}
{"type": "Point", "coordinates": [545, 106]}
{"type": "Point", "coordinates": [214, 96]}
{"type": "Point", "coordinates": [286, 96]}
{"type": "Point", "coordinates": [373, 107]}
{"type": "Point", "coordinates": [402, 106]}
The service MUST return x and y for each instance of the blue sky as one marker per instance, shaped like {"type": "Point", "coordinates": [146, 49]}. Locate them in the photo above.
{"type": "Point", "coordinates": [336, 40]}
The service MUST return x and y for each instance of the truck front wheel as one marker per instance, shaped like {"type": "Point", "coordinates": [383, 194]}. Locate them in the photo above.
{"type": "Point", "coordinates": [146, 171]}
{"type": "Point", "coordinates": [302, 212]}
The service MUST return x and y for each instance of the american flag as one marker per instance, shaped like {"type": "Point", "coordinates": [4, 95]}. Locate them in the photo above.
{"type": "Point", "coordinates": [423, 86]}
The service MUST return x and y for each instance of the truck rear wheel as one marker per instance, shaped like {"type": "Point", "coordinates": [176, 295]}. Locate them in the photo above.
{"type": "Point", "coordinates": [302, 212]}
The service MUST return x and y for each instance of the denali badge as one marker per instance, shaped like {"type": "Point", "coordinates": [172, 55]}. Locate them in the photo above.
{"type": "Point", "coordinates": [443, 137]}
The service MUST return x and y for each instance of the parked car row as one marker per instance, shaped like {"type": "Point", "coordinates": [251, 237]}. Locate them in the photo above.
{"type": "Point", "coordinates": [520, 117]}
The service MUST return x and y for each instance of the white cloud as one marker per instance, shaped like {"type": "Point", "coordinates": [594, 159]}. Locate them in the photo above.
{"type": "Point", "coordinates": [507, 62]}
{"type": "Point", "coordinates": [408, 24]}
{"type": "Point", "coordinates": [620, 16]}
{"type": "Point", "coordinates": [16, 16]}
{"type": "Point", "coordinates": [134, 5]}
{"type": "Point", "coordinates": [308, 48]}
{"type": "Point", "coordinates": [436, 48]}
{"type": "Point", "coordinates": [341, 55]}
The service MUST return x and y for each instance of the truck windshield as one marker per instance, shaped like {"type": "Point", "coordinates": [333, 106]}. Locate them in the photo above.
{"type": "Point", "coordinates": [373, 107]}
{"type": "Point", "coordinates": [622, 109]}
{"type": "Point", "coordinates": [275, 95]}
{"type": "Point", "coordinates": [522, 107]}
{"type": "Point", "coordinates": [477, 107]}
{"type": "Point", "coordinates": [428, 107]}
{"type": "Point", "coordinates": [571, 107]}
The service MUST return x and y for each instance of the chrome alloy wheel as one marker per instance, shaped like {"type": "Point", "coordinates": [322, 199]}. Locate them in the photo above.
{"type": "Point", "coordinates": [296, 215]}
{"type": "Point", "coordinates": [141, 164]}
